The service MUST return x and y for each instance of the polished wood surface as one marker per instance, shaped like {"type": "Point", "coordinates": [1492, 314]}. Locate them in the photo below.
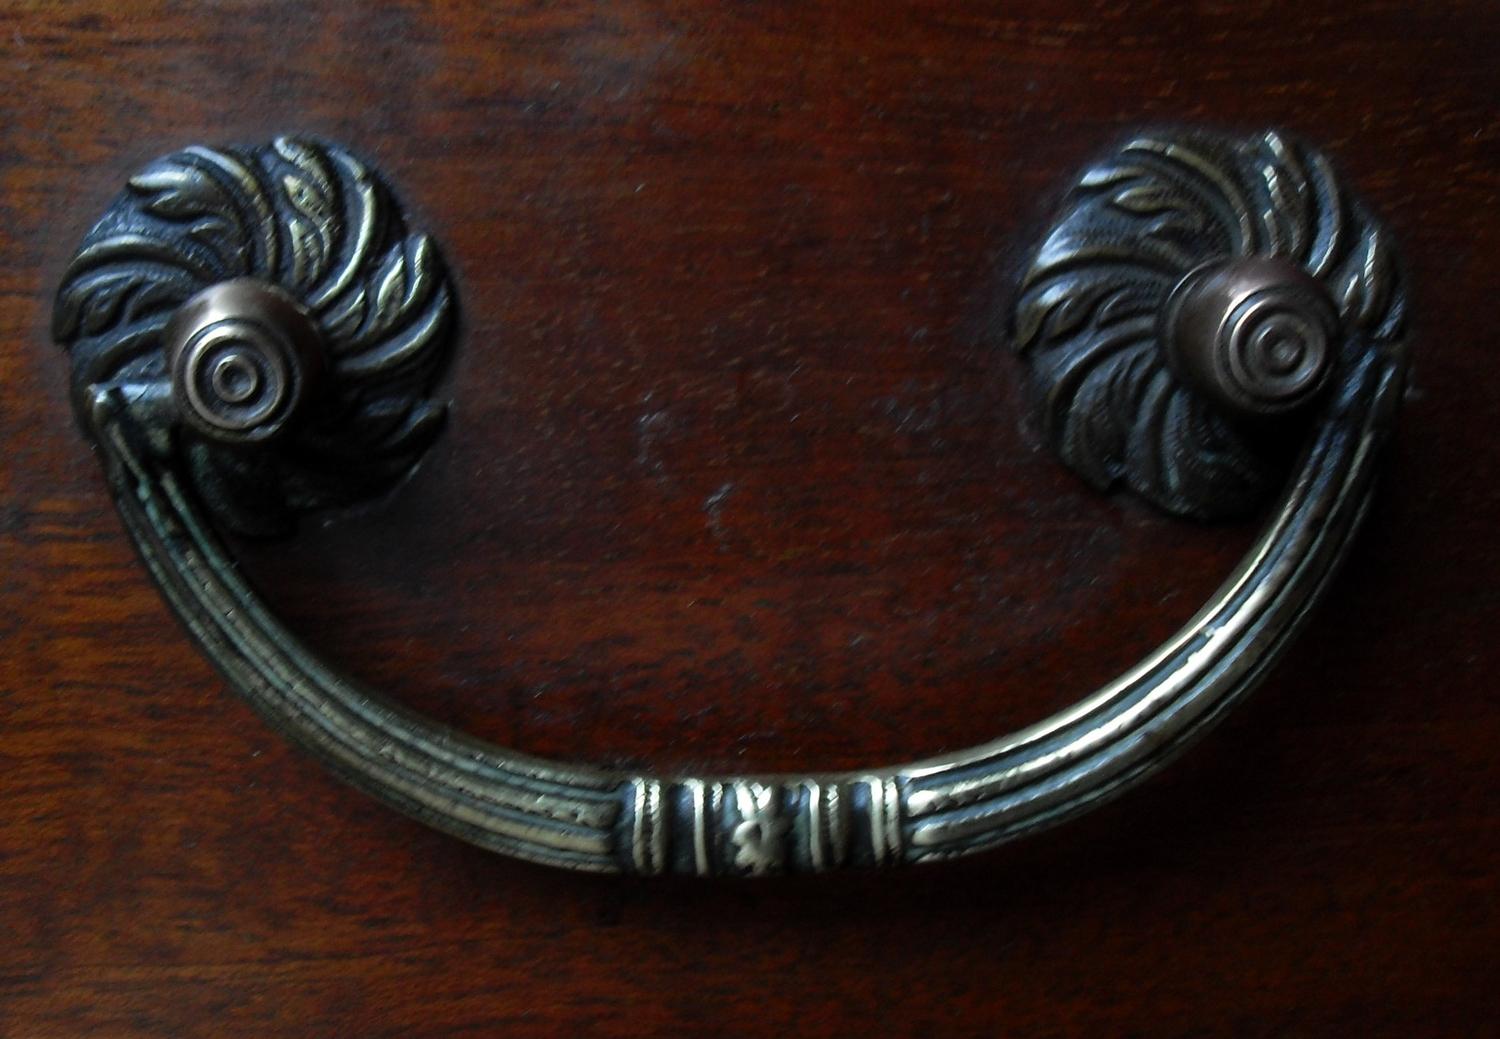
{"type": "Point", "coordinates": [741, 474]}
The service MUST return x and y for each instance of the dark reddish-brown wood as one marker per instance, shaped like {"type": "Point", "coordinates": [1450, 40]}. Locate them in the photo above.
{"type": "Point", "coordinates": [740, 474]}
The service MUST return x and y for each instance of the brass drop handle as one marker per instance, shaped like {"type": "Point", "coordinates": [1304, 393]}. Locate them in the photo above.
{"type": "Point", "coordinates": [254, 334]}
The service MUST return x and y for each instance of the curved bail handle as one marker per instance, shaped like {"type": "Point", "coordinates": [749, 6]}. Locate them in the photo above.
{"type": "Point", "coordinates": [254, 334]}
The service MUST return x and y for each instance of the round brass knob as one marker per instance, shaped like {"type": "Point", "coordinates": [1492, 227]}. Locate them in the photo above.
{"type": "Point", "coordinates": [244, 358]}
{"type": "Point", "coordinates": [1253, 334]}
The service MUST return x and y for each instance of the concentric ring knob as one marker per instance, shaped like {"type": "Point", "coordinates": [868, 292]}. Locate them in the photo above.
{"type": "Point", "coordinates": [1254, 334]}
{"type": "Point", "coordinates": [244, 359]}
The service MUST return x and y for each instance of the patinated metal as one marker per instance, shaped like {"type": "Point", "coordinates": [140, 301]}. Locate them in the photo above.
{"type": "Point", "coordinates": [292, 224]}
{"type": "Point", "coordinates": [1193, 280]}
{"type": "Point", "coordinates": [254, 333]}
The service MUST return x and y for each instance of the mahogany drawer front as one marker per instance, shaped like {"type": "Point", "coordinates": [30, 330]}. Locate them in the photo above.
{"type": "Point", "coordinates": [739, 474]}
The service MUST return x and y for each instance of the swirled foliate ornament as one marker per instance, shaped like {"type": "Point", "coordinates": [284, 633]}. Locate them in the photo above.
{"type": "Point", "coordinates": [345, 304]}
{"type": "Point", "coordinates": [1102, 305]}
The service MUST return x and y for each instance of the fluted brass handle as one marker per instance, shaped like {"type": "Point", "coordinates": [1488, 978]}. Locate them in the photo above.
{"type": "Point", "coordinates": [254, 334]}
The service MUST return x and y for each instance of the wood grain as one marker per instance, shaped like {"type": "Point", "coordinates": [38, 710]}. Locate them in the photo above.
{"type": "Point", "coordinates": [740, 474]}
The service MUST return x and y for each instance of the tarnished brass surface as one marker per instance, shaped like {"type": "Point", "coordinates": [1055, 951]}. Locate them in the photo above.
{"type": "Point", "coordinates": [1191, 281]}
